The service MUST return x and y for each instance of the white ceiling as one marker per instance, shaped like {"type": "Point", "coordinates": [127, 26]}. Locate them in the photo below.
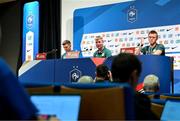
{"type": "Point", "coordinates": [4, 1]}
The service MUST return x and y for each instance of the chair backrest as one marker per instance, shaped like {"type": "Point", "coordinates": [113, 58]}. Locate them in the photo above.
{"type": "Point", "coordinates": [100, 104]}
{"type": "Point", "coordinates": [40, 89]}
{"type": "Point", "coordinates": [170, 96]}
{"type": "Point", "coordinates": [157, 109]}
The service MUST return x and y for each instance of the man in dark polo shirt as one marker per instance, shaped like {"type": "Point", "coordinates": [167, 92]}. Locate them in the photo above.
{"type": "Point", "coordinates": [153, 48]}
{"type": "Point", "coordinates": [102, 51]}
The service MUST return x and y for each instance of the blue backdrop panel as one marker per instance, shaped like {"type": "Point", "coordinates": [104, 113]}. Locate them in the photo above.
{"type": "Point", "coordinates": [150, 13]}
{"type": "Point", "coordinates": [30, 42]}
{"type": "Point", "coordinates": [69, 70]}
{"type": "Point", "coordinates": [40, 74]}
{"type": "Point", "coordinates": [161, 66]}
{"type": "Point", "coordinates": [177, 81]}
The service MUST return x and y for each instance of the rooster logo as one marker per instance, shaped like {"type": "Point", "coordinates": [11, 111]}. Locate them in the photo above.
{"type": "Point", "coordinates": [132, 14]}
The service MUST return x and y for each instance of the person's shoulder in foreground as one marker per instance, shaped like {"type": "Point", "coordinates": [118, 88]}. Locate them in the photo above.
{"type": "Point", "coordinates": [15, 103]}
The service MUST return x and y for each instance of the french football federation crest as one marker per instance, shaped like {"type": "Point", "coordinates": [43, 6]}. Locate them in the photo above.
{"type": "Point", "coordinates": [75, 74]}
{"type": "Point", "coordinates": [29, 21]}
{"type": "Point", "coordinates": [132, 14]}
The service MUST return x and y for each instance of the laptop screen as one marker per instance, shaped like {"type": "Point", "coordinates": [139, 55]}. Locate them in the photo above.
{"type": "Point", "coordinates": [171, 111]}
{"type": "Point", "coordinates": [63, 107]}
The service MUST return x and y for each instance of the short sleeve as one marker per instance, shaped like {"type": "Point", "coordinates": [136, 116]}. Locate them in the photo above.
{"type": "Point", "coordinates": [144, 49]}
{"type": "Point", "coordinates": [161, 47]}
{"type": "Point", "coordinates": [108, 53]}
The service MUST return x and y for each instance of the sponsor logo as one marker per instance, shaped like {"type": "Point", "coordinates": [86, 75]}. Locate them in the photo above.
{"type": "Point", "coordinates": [167, 48]}
{"type": "Point", "coordinates": [116, 45]}
{"type": "Point", "coordinates": [133, 44]}
{"type": "Point", "coordinates": [137, 32]}
{"type": "Point", "coordinates": [142, 32]}
{"type": "Point", "coordinates": [117, 34]}
{"type": "Point", "coordinates": [177, 29]}
{"type": "Point", "coordinates": [103, 35]}
{"type": "Point", "coordinates": [178, 41]}
{"type": "Point", "coordinates": [29, 44]}
{"type": "Point", "coordinates": [116, 40]}
{"type": "Point", "coordinates": [128, 45]}
{"type": "Point", "coordinates": [28, 50]}
{"type": "Point", "coordinates": [177, 35]}
{"type": "Point", "coordinates": [85, 37]}
{"type": "Point", "coordinates": [88, 42]}
{"type": "Point", "coordinates": [111, 46]}
{"type": "Point", "coordinates": [109, 40]}
{"type": "Point", "coordinates": [169, 29]}
{"type": "Point", "coordinates": [124, 34]}
{"type": "Point", "coordinates": [112, 35]}
{"type": "Point", "coordinates": [170, 35]}
{"type": "Point", "coordinates": [173, 47]}
{"type": "Point", "coordinates": [120, 40]}
{"type": "Point", "coordinates": [130, 33]}
{"type": "Point", "coordinates": [172, 41]}
{"type": "Point", "coordinates": [123, 45]}
{"type": "Point", "coordinates": [165, 42]}
{"type": "Point", "coordinates": [130, 39]}
{"type": "Point", "coordinates": [164, 36]}
{"type": "Point", "coordinates": [107, 35]}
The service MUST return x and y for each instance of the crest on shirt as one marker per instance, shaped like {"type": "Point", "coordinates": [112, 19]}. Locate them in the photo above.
{"type": "Point", "coordinates": [103, 54]}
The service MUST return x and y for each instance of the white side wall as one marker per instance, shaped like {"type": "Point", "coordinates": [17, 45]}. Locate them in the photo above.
{"type": "Point", "coordinates": [68, 7]}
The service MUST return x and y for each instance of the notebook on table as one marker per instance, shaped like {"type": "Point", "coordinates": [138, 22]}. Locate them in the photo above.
{"type": "Point", "coordinates": [63, 107]}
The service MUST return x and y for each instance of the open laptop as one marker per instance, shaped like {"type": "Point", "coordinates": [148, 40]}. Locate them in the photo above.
{"type": "Point", "coordinates": [171, 111]}
{"type": "Point", "coordinates": [63, 107]}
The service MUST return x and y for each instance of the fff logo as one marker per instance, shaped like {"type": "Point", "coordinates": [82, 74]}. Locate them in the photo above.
{"type": "Point", "coordinates": [75, 74]}
{"type": "Point", "coordinates": [132, 14]}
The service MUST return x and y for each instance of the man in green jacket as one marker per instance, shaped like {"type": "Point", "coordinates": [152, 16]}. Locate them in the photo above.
{"type": "Point", "coordinates": [153, 48]}
{"type": "Point", "coordinates": [102, 51]}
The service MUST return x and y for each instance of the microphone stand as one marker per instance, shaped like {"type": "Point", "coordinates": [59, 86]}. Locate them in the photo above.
{"type": "Point", "coordinates": [53, 51]}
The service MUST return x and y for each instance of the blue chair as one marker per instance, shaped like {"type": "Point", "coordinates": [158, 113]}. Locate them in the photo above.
{"type": "Point", "coordinates": [103, 101]}
{"type": "Point", "coordinates": [157, 106]}
{"type": "Point", "coordinates": [170, 96]}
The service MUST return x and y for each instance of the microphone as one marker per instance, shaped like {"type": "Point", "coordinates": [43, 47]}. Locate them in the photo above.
{"type": "Point", "coordinates": [52, 51]}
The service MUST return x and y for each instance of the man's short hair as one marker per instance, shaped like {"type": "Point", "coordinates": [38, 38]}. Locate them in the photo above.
{"type": "Point", "coordinates": [123, 65]}
{"type": "Point", "coordinates": [151, 83]}
{"type": "Point", "coordinates": [85, 79]}
{"type": "Point", "coordinates": [98, 38]}
{"type": "Point", "coordinates": [102, 71]}
{"type": "Point", "coordinates": [66, 42]}
{"type": "Point", "coordinates": [153, 32]}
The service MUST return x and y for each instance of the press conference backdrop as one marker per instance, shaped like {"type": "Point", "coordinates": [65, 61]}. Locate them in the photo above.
{"type": "Point", "coordinates": [123, 24]}
{"type": "Point", "coordinates": [30, 43]}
